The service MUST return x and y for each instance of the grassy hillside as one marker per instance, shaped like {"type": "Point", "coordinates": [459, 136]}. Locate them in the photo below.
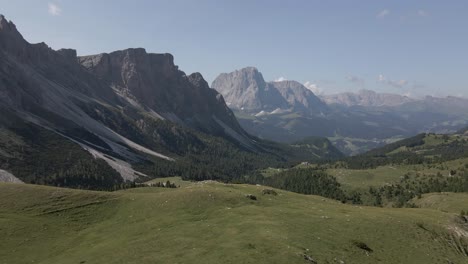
{"type": "Point", "coordinates": [387, 174]}
{"type": "Point", "coordinates": [445, 202]}
{"type": "Point", "coordinates": [421, 149]}
{"type": "Point", "coordinates": [209, 222]}
{"type": "Point", "coordinates": [37, 155]}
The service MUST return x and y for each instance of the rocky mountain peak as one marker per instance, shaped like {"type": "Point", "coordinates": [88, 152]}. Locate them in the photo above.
{"type": "Point", "coordinates": [299, 97]}
{"type": "Point", "coordinates": [6, 25]}
{"type": "Point", "coordinates": [129, 61]}
{"type": "Point", "coordinates": [153, 81]}
{"type": "Point", "coordinates": [290, 84]}
{"type": "Point", "coordinates": [246, 89]}
{"type": "Point", "coordinates": [250, 70]}
{"type": "Point", "coordinates": [9, 35]}
{"type": "Point", "coordinates": [251, 73]}
{"type": "Point", "coordinates": [197, 80]}
{"type": "Point", "coordinates": [68, 53]}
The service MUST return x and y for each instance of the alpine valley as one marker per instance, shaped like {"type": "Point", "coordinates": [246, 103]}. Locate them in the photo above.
{"type": "Point", "coordinates": [121, 157]}
{"type": "Point", "coordinates": [286, 111]}
{"type": "Point", "coordinates": [99, 121]}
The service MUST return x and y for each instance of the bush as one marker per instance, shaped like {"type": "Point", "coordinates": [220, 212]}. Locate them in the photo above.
{"type": "Point", "coordinates": [251, 197]}
{"type": "Point", "coordinates": [269, 191]}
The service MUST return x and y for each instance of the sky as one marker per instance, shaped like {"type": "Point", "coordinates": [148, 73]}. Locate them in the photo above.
{"type": "Point", "coordinates": [414, 48]}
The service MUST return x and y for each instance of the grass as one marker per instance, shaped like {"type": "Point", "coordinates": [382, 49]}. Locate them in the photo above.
{"type": "Point", "coordinates": [353, 146]}
{"type": "Point", "coordinates": [268, 172]}
{"type": "Point", "coordinates": [445, 202]}
{"type": "Point", "coordinates": [359, 179]}
{"type": "Point", "coordinates": [363, 179]}
{"type": "Point", "coordinates": [211, 222]}
{"type": "Point", "coordinates": [176, 179]}
{"type": "Point", "coordinates": [430, 141]}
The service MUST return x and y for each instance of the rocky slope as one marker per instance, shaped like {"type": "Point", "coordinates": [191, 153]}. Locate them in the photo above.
{"type": "Point", "coordinates": [300, 98]}
{"type": "Point", "coordinates": [105, 119]}
{"type": "Point", "coordinates": [110, 97]}
{"type": "Point", "coordinates": [154, 83]}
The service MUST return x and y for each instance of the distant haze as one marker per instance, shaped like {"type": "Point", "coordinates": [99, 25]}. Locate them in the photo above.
{"type": "Point", "coordinates": [412, 48]}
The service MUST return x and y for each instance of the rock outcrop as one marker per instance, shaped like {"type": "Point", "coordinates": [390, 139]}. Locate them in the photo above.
{"type": "Point", "coordinates": [154, 82]}
{"type": "Point", "coordinates": [245, 89]}
{"type": "Point", "coordinates": [300, 98]}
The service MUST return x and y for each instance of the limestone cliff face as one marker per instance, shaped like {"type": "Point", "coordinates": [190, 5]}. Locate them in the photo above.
{"type": "Point", "coordinates": [107, 95]}
{"type": "Point", "coordinates": [155, 82]}
{"type": "Point", "coordinates": [29, 71]}
{"type": "Point", "coordinates": [246, 89]}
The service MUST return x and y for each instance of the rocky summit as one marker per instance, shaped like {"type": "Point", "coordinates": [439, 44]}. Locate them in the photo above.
{"type": "Point", "coordinates": [154, 83]}
{"type": "Point", "coordinates": [246, 89]}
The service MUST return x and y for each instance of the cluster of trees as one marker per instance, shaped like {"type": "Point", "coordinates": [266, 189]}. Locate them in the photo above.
{"type": "Point", "coordinates": [409, 187]}
{"type": "Point", "coordinates": [166, 184]}
{"type": "Point", "coordinates": [202, 156]}
{"type": "Point", "coordinates": [39, 156]}
{"type": "Point", "coordinates": [45, 157]}
{"type": "Point", "coordinates": [305, 181]}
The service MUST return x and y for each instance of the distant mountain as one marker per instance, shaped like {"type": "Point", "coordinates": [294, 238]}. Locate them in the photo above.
{"type": "Point", "coordinates": [300, 98]}
{"type": "Point", "coordinates": [450, 105]}
{"type": "Point", "coordinates": [246, 90]}
{"type": "Point", "coordinates": [366, 98]}
{"type": "Point", "coordinates": [98, 121]}
{"type": "Point", "coordinates": [354, 122]}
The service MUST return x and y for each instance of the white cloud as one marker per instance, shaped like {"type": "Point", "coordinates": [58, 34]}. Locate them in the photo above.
{"type": "Point", "coordinates": [54, 9]}
{"type": "Point", "coordinates": [394, 83]}
{"type": "Point", "coordinates": [381, 78]}
{"type": "Point", "coordinates": [280, 79]}
{"type": "Point", "coordinates": [313, 87]}
{"type": "Point", "coordinates": [423, 13]}
{"type": "Point", "coordinates": [383, 13]}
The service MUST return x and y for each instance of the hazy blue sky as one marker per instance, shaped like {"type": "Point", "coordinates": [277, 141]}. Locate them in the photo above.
{"type": "Point", "coordinates": [414, 47]}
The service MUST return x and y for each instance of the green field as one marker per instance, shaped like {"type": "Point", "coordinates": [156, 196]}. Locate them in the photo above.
{"type": "Point", "coordinates": [210, 222]}
{"type": "Point", "coordinates": [445, 202]}
{"type": "Point", "coordinates": [363, 179]}
{"type": "Point", "coordinates": [388, 174]}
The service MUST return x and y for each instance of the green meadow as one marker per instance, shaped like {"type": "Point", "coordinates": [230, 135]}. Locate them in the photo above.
{"type": "Point", "coordinates": [211, 222]}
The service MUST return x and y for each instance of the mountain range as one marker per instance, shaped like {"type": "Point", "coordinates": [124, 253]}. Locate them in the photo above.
{"type": "Point", "coordinates": [366, 98]}
{"type": "Point", "coordinates": [287, 111]}
{"type": "Point", "coordinates": [246, 90]}
{"type": "Point", "coordinates": [100, 120]}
